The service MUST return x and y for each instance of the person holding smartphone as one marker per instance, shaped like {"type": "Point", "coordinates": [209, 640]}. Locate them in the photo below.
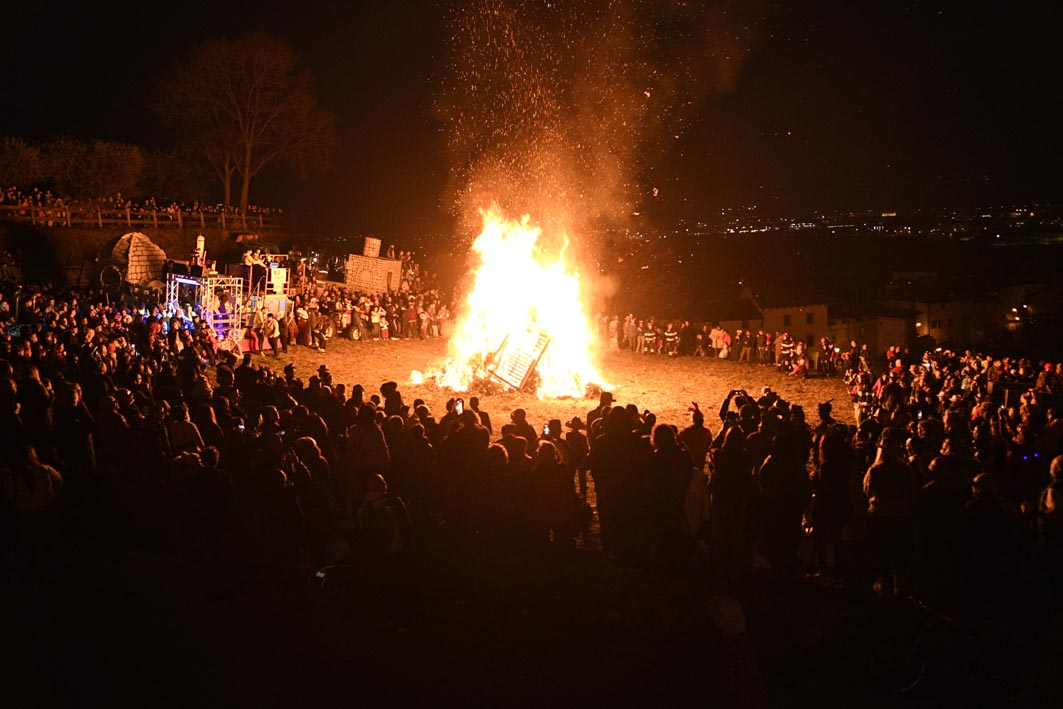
{"type": "Point", "coordinates": [552, 431]}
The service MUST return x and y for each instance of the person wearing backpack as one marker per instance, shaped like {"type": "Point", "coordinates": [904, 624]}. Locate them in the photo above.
{"type": "Point", "coordinates": [29, 493]}
{"type": "Point", "coordinates": [386, 537]}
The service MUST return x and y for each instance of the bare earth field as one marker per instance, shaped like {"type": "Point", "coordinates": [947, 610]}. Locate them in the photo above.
{"type": "Point", "coordinates": [663, 385]}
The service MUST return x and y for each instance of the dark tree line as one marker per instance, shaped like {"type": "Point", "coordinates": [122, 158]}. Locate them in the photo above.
{"type": "Point", "coordinates": [99, 169]}
{"type": "Point", "coordinates": [236, 107]}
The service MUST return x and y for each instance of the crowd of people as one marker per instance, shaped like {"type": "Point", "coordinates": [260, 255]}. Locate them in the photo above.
{"type": "Point", "coordinates": [366, 316]}
{"type": "Point", "coordinates": [678, 338]}
{"type": "Point", "coordinates": [317, 314]}
{"type": "Point", "coordinates": [948, 487]}
{"type": "Point", "coordinates": [313, 313]}
{"type": "Point", "coordinates": [416, 309]}
{"type": "Point", "coordinates": [39, 199]}
{"type": "Point", "coordinates": [10, 266]}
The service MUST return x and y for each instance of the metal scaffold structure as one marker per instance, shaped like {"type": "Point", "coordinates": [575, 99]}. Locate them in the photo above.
{"type": "Point", "coordinates": [220, 299]}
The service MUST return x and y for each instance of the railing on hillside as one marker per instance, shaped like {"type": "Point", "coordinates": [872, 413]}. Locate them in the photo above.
{"type": "Point", "coordinates": [133, 217]}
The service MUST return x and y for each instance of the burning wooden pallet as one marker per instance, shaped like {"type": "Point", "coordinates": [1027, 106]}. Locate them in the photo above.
{"type": "Point", "coordinates": [514, 362]}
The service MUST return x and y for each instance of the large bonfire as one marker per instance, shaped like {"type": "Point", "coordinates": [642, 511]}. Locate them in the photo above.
{"type": "Point", "coordinates": [524, 302]}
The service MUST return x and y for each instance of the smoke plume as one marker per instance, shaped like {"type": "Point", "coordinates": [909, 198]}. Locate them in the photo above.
{"type": "Point", "coordinates": [557, 108]}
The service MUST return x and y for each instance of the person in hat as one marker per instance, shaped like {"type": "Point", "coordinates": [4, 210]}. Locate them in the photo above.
{"type": "Point", "coordinates": [605, 400]}
{"type": "Point", "coordinates": [324, 375]}
{"type": "Point", "coordinates": [890, 487]}
{"type": "Point", "coordinates": [578, 447]}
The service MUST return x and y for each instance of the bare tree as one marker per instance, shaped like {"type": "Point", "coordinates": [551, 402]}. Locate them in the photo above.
{"type": "Point", "coordinates": [246, 103]}
{"type": "Point", "coordinates": [63, 163]}
{"type": "Point", "coordinates": [171, 176]}
{"type": "Point", "coordinates": [20, 163]}
{"type": "Point", "coordinates": [112, 168]}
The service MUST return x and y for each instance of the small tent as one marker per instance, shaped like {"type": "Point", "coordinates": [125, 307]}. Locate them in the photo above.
{"type": "Point", "coordinates": [138, 258]}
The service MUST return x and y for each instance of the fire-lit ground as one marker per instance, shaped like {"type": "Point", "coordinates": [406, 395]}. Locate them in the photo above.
{"type": "Point", "coordinates": [665, 386]}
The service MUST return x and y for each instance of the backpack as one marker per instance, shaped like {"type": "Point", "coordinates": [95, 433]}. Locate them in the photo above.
{"type": "Point", "coordinates": [388, 524]}
{"type": "Point", "coordinates": [695, 505]}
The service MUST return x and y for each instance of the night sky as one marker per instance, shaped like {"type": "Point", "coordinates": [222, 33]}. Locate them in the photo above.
{"type": "Point", "coordinates": [800, 106]}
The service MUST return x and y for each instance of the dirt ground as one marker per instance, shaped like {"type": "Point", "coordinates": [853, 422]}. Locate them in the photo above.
{"type": "Point", "coordinates": [663, 385]}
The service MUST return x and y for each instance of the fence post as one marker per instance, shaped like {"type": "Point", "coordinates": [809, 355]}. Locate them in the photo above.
{"type": "Point", "coordinates": [68, 217]}
{"type": "Point", "coordinates": [202, 220]}
{"type": "Point", "coordinates": [33, 214]}
{"type": "Point", "coordinates": [223, 219]}
{"type": "Point", "coordinates": [155, 218]}
{"type": "Point", "coordinates": [99, 217]}
{"type": "Point", "coordinates": [128, 217]}
{"type": "Point", "coordinates": [179, 224]}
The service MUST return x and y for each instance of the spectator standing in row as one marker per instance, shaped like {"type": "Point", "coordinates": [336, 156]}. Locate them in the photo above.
{"type": "Point", "coordinates": [271, 332]}
{"type": "Point", "coordinates": [889, 486]}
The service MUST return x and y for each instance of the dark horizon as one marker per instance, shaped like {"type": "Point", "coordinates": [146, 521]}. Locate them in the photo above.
{"type": "Point", "coordinates": [822, 108]}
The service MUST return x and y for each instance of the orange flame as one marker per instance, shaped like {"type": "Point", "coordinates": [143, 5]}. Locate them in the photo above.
{"type": "Point", "coordinates": [521, 292]}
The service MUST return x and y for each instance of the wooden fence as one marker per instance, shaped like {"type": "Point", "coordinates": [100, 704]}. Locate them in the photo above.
{"type": "Point", "coordinates": [134, 217]}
